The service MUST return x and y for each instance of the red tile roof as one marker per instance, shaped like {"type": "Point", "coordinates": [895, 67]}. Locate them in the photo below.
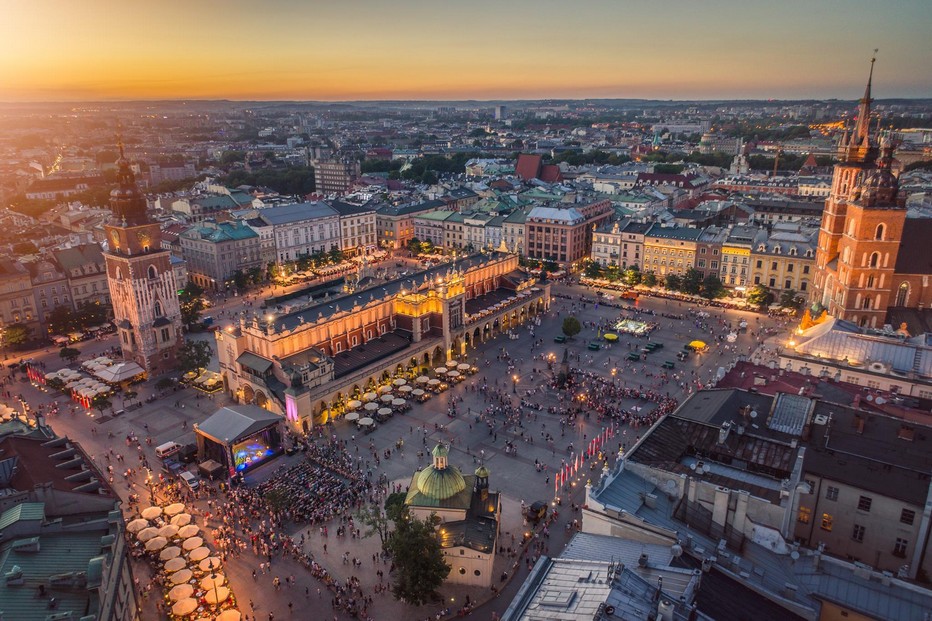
{"type": "Point", "coordinates": [550, 173]}
{"type": "Point", "coordinates": [528, 166]}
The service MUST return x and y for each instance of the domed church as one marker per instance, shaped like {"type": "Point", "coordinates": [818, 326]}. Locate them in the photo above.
{"type": "Point", "coordinates": [468, 512]}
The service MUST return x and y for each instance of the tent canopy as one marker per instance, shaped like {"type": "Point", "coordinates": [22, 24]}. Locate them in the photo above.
{"type": "Point", "coordinates": [119, 372]}
{"type": "Point", "coordinates": [231, 423]}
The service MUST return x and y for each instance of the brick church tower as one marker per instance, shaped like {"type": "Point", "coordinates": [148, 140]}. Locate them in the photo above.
{"type": "Point", "coordinates": [142, 285]}
{"type": "Point", "coordinates": [862, 226]}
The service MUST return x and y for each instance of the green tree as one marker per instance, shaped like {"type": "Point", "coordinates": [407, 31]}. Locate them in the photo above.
{"type": "Point", "coordinates": [56, 383]}
{"type": "Point", "coordinates": [593, 269]}
{"type": "Point", "coordinates": [164, 384]}
{"type": "Point", "coordinates": [61, 320]}
{"type": "Point", "coordinates": [414, 246]}
{"type": "Point", "coordinates": [420, 568]}
{"type": "Point", "coordinates": [633, 276]}
{"type": "Point", "coordinates": [672, 282]}
{"type": "Point", "coordinates": [101, 403]}
{"type": "Point", "coordinates": [712, 287]}
{"type": "Point", "coordinates": [69, 353]}
{"type": "Point", "coordinates": [231, 157]}
{"type": "Point", "coordinates": [691, 282]}
{"type": "Point", "coordinates": [613, 273]}
{"type": "Point", "coordinates": [335, 255]}
{"type": "Point", "coordinates": [240, 280]}
{"type": "Point", "coordinates": [192, 304]}
{"type": "Point", "coordinates": [395, 505]}
{"type": "Point", "coordinates": [649, 279]}
{"type": "Point", "coordinates": [193, 356]}
{"type": "Point", "coordinates": [759, 296]}
{"type": "Point", "coordinates": [16, 335]}
{"type": "Point", "coordinates": [376, 521]}
{"type": "Point", "coordinates": [550, 266]}
{"type": "Point", "coordinates": [790, 299]}
{"type": "Point", "coordinates": [571, 327]}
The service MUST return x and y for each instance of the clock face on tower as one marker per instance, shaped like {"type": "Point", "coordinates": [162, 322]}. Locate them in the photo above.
{"type": "Point", "coordinates": [115, 239]}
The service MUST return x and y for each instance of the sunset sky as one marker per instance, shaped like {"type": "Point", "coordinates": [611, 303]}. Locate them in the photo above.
{"type": "Point", "coordinates": [66, 50]}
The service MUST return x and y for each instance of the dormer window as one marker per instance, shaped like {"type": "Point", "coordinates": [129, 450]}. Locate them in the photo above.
{"type": "Point", "coordinates": [793, 251]}
{"type": "Point", "coordinates": [762, 248]}
{"type": "Point", "coordinates": [776, 249]}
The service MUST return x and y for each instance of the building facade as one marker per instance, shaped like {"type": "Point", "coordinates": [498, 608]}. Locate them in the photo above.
{"type": "Point", "coordinates": [17, 300]}
{"type": "Point", "coordinates": [215, 251]}
{"type": "Point", "coordinates": [862, 227]}
{"type": "Point", "coordinates": [395, 223]}
{"type": "Point", "coordinates": [564, 236]}
{"type": "Point", "coordinates": [357, 228]}
{"type": "Point", "coordinates": [302, 229]}
{"type": "Point", "coordinates": [141, 281]}
{"type": "Point", "coordinates": [305, 365]}
{"type": "Point", "coordinates": [670, 250]}
{"type": "Point", "coordinates": [86, 270]}
{"type": "Point", "coordinates": [784, 260]}
{"type": "Point", "coordinates": [335, 176]}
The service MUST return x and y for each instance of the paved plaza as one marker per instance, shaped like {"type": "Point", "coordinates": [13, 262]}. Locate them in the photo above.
{"type": "Point", "coordinates": [516, 372]}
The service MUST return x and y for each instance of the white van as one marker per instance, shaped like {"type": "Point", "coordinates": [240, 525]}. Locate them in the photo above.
{"type": "Point", "coordinates": [191, 480]}
{"type": "Point", "coordinates": [169, 448]}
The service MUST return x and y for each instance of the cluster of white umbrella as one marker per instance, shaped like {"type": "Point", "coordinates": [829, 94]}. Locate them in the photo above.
{"type": "Point", "coordinates": [180, 559]}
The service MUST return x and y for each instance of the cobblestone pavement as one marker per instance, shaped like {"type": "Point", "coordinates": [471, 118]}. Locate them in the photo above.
{"type": "Point", "coordinates": [518, 368]}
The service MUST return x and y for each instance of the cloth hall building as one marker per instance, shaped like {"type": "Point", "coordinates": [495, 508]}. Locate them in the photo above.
{"type": "Point", "coordinates": [306, 364]}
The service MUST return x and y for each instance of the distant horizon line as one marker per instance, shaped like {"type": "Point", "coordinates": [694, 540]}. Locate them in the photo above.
{"type": "Point", "coordinates": [6, 102]}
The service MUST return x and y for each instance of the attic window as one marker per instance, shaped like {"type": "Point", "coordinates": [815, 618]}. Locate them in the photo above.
{"type": "Point", "coordinates": [762, 248]}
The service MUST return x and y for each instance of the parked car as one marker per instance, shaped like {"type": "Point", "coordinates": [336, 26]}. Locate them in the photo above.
{"type": "Point", "coordinates": [559, 339]}
{"type": "Point", "coordinates": [190, 479]}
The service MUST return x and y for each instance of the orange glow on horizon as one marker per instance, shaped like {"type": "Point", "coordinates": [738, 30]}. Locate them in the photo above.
{"type": "Point", "coordinates": [291, 49]}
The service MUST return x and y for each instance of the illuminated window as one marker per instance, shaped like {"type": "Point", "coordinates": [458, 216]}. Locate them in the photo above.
{"type": "Point", "coordinates": [805, 515]}
{"type": "Point", "coordinates": [827, 521]}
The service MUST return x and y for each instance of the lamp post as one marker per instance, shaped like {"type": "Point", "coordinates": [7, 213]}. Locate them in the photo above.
{"type": "Point", "coordinates": [514, 384]}
{"type": "Point", "coordinates": [150, 484]}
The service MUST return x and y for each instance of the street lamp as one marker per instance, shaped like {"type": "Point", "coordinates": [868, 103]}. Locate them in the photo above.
{"type": "Point", "coordinates": [514, 384]}
{"type": "Point", "coordinates": [150, 484]}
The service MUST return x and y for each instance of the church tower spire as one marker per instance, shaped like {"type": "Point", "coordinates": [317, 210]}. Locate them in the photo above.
{"type": "Point", "coordinates": [862, 129]}
{"type": "Point", "coordinates": [857, 146]}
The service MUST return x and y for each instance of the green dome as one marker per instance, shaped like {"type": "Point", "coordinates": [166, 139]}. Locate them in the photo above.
{"type": "Point", "coordinates": [440, 484]}
{"type": "Point", "coordinates": [482, 472]}
{"type": "Point", "coordinates": [440, 451]}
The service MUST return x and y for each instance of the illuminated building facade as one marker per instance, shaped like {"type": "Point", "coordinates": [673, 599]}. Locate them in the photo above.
{"type": "Point", "coordinates": [304, 365]}
{"type": "Point", "coordinates": [858, 274]}
{"type": "Point", "coordinates": [141, 280]}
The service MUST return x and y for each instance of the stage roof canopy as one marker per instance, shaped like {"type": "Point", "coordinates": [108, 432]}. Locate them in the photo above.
{"type": "Point", "coordinates": [233, 423]}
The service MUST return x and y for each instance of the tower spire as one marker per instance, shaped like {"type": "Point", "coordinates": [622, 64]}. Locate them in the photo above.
{"type": "Point", "coordinates": [862, 129]}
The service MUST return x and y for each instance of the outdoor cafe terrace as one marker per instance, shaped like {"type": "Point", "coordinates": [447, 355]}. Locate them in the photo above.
{"type": "Point", "coordinates": [495, 301]}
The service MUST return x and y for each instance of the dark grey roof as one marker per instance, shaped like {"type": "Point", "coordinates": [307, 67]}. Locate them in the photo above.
{"type": "Point", "coordinates": [256, 363]}
{"type": "Point", "coordinates": [296, 213]}
{"type": "Point", "coordinates": [882, 454]}
{"type": "Point", "coordinates": [346, 209]}
{"type": "Point", "coordinates": [79, 256]}
{"type": "Point", "coordinates": [914, 256]}
{"type": "Point", "coordinates": [402, 210]}
{"type": "Point", "coordinates": [233, 422]}
{"type": "Point", "coordinates": [679, 232]}
{"type": "Point", "coordinates": [312, 314]}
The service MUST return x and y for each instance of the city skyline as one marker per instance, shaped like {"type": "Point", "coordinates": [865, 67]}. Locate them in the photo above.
{"type": "Point", "coordinates": [286, 50]}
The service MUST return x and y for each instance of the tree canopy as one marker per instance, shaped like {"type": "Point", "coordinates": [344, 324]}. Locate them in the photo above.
{"type": "Point", "coordinates": [759, 295]}
{"type": "Point", "coordinates": [420, 568]}
{"type": "Point", "coordinates": [193, 355]}
{"type": "Point", "coordinates": [571, 327]}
